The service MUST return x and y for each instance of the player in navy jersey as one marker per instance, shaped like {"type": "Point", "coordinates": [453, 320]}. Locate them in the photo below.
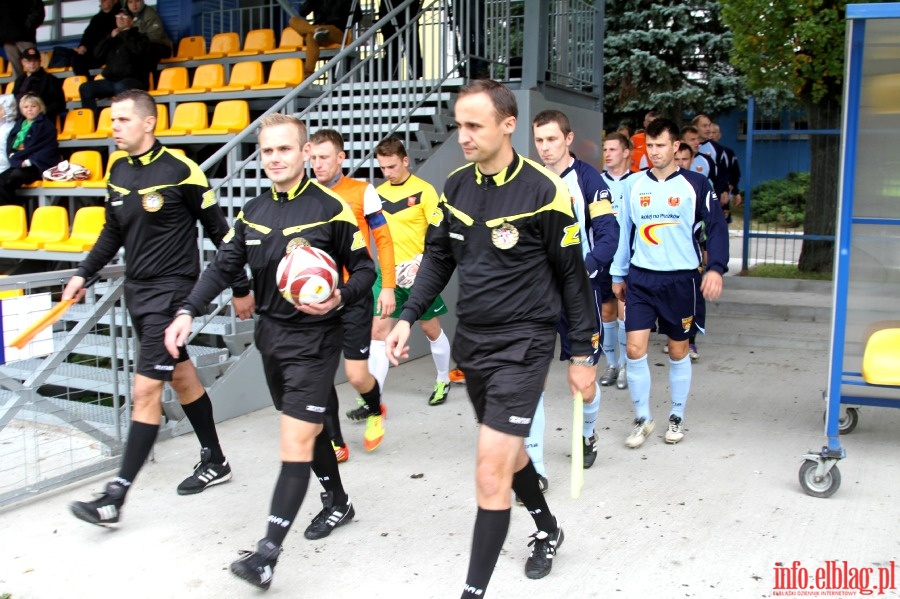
{"type": "Point", "coordinates": [655, 271]}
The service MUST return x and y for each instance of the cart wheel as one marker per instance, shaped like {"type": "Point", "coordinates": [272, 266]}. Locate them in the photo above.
{"type": "Point", "coordinates": [846, 423]}
{"type": "Point", "coordinates": [827, 487]}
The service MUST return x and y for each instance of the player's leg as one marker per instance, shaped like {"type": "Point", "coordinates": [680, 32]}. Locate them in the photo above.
{"type": "Point", "coordinates": [641, 319]}
{"type": "Point", "coordinates": [371, 410]}
{"type": "Point", "coordinates": [336, 507]}
{"type": "Point", "coordinates": [381, 327]}
{"type": "Point", "coordinates": [682, 308]}
{"type": "Point", "coordinates": [534, 445]}
{"type": "Point", "coordinates": [622, 379]}
{"type": "Point", "coordinates": [440, 350]}
{"type": "Point", "coordinates": [609, 339]}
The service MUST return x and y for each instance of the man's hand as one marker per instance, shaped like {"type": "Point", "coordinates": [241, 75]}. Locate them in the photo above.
{"type": "Point", "coordinates": [386, 303]}
{"type": "Point", "coordinates": [323, 307]}
{"type": "Point", "coordinates": [618, 290]}
{"type": "Point", "coordinates": [723, 199]}
{"type": "Point", "coordinates": [395, 345]}
{"type": "Point", "coordinates": [581, 378]}
{"type": "Point", "coordinates": [80, 50]}
{"type": "Point", "coordinates": [74, 289]}
{"type": "Point", "coordinates": [177, 334]}
{"type": "Point", "coordinates": [711, 285]}
{"type": "Point", "coordinates": [244, 306]}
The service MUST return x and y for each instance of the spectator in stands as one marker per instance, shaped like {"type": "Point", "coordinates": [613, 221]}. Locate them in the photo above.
{"type": "Point", "coordinates": [148, 22]}
{"type": "Point", "coordinates": [83, 57]}
{"type": "Point", "coordinates": [328, 27]}
{"type": "Point", "coordinates": [31, 147]}
{"type": "Point", "coordinates": [18, 29]}
{"type": "Point", "coordinates": [410, 41]}
{"type": "Point", "coordinates": [124, 51]}
{"type": "Point", "coordinates": [35, 80]}
{"type": "Point", "coordinates": [8, 114]}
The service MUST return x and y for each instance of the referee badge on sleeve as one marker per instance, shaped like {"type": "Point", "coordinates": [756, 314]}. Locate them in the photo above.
{"type": "Point", "coordinates": [152, 201]}
{"type": "Point", "coordinates": [505, 236]}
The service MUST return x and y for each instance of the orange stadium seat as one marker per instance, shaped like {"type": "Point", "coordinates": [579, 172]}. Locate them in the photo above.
{"type": "Point", "coordinates": [187, 118]}
{"type": "Point", "coordinates": [48, 224]}
{"type": "Point", "coordinates": [89, 221]}
{"type": "Point", "coordinates": [291, 41]}
{"type": "Point", "coordinates": [89, 159]}
{"type": "Point", "coordinates": [77, 123]}
{"type": "Point", "coordinates": [10, 86]}
{"type": "Point", "coordinates": [104, 126]}
{"type": "Point", "coordinates": [230, 116]}
{"type": "Point", "coordinates": [244, 75]}
{"type": "Point", "coordinates": [222, 44]}
{"type": "Point", "coordinates": [70, 87]}
{"type": "Point", "coordinates": [285, 72]}
{"type": "Point", "coordinates": [13, 223]}
{"type": "Point", "coordinates": [189, 48]}
{"type": "Point", "coordinates": [171, 79]}
{"type": "Point", "coordinates": [257, 42]}
{"type": "Point", "coordinates": [206, 77]}
{"type": "Point", "coordinates": [101, 182]}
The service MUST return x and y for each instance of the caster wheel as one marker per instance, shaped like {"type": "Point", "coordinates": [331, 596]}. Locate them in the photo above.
{"type": "Point", "coordinates": [846, 422]}
{"type": "Point", "coordinates": [826, 487]}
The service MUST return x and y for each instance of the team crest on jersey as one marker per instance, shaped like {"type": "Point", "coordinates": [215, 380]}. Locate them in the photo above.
{"type": "Point", "coordinates": [505, 236]}
{"type": "Point", "coordinates": [674, 202]}
{"type": "Point", "coordinates": [595, 341]}
{"type": "Point", "coordinates": [358, 241]}
{"type": "Point", "coordinates": [152, 201]}
{"type": "Point", "coordinates": [571, 236]}
{"type": "Point", "coordinates": [295, 243]}
{"type": "Point", "coordinates": [604, 195]}
{"type": "Point", "coordinates": [412, 200]}
{"type": "Point", "coordinates": [209, 199]}
{"type": "Point", "coordinates": [645, 200]}
{"type": "Point", "coordinates": [686, 323]}
{"type": "Point", "coordinates": [649, 234]}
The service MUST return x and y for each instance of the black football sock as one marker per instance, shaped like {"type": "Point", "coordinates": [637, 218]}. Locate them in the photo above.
{"type": "Point", "coordinates": [200, 413]}
{"type": "Point", "coordinates": [325, 465]}
{"type": "Point", "coordinates": [372, 397]}
{"type": "Point", "coordinates": [141, 438]}
{"type": "Point", "coordinates": [491, 527]}
{"type": "Point", "coordinates": [286, 500]}
{"type": "Point", "coordinates": [528, 488]}
{"type": "Point", "coordinates": [332, 420]}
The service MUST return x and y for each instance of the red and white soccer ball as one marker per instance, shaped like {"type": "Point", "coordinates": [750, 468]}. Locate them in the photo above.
{"type": "Point", "coordinates": [306, 275]}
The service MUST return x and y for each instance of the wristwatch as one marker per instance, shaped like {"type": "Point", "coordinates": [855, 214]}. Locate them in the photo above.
{"type": "Point", "coordinates": [588, 361]}
{"type": "Point", "coordinates": [184, 312]}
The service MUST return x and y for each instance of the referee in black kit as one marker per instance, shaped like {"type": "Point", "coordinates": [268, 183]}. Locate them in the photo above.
{"type": "Point", "coordinates": [507, 225]}
{"type": "Point", "coordinates": [153, 201]}
{"type": "Point", "coordinates": [300, 346]}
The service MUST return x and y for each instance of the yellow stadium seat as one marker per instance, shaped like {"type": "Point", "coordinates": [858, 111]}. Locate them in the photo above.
{"type": "Point", "coordinates": [881, 360]}
{"type": "Point", "coordinates": [286, 72]}
{"type": "Point", "coordinates": [171, 79]}
{"type": "Point", "coordinates": [77, 123]}
{"type": "Point", "coordinates": [222, 44]}
{"type": "Point", "coordinates": [230, 116]}
{"type": "Point", "coordinates": [162, 117]}
{"type": "Point", "coordinates": [48, 224]}
{"type": "Point", "coordinates": [189, 48]}
{"type": "Point", "coordinates": [257, 42]}
{"type": "Point", "coordinates": [10, 86]}
{"type": "Point", "coordinates": [206, 77]}
{"type": "Point", "coordinates": [101, 182]}
{"type": "Point", "coordinates": [187, 118]}
{"type": "Point", "coordinates": [89, 159]}
{"type": "Point", "coordinates": [291, 41]}
{"type": "Point", "coordinates": [85, 231]}
{"type": "Point", "coordinates": [244, 75]}
{"type": "Point", "coordinates": [70, 87]}
{"type": "Point", "coordinates": [10, 293]}
{"type": "Point", "coordinates": [104, 126]}
{"type": "Point", "coordinates": [13, 224]}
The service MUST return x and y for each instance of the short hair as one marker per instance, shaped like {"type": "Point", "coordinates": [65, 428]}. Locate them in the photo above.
{"type": "Point", "coordinates": [545, 117]}
{"type": "Point", "coordinates": [697, 118]}
{"type": "Point", "coordinates": [501, 97]}
{"type": "Point", "coordinates": [623, 140]}
{"type": "Point", "coordinates": [391, 147]}
{"type": "Point", "coordinates": [652, 115]}
{"type": "Point", "coordinates": [144, 104]}
{"type": "Point", "coordinates": [277, 118]}
{"type": "Point", "coordinates": [689, 129]}
{"type": "Point", "coordinates": [684, 148]}
{"type": "Point", "coordinates": [323, 135]}
{"type": "Point", "coordinates": [35, 99]}
{"type": "Point", "coordinates": [659, 126]}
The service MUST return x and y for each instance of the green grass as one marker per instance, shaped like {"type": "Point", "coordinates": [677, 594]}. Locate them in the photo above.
{"type": "Point", "coordinates": [785, 271]}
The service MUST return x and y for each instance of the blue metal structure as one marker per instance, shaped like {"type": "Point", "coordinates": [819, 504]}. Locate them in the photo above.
{"type": "Point", "coordinates": [867, 248]}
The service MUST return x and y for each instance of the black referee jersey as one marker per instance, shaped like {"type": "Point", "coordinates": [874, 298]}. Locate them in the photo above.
{"type": "Point", "coordinates": [516, 244]}
{"type": "Point", "coordinates": [267, 228]}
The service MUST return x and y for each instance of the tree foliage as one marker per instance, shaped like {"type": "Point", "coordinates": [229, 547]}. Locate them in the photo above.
{"type": "Point", "coordinates": [671, 57]}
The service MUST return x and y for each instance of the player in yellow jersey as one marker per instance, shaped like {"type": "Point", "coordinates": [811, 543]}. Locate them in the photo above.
{"type": "Point", "coordinates": [407, 201]}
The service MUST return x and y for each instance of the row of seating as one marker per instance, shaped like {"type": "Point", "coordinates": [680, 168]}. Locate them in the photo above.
{"type": "Point", "coordinates": [50, 228]}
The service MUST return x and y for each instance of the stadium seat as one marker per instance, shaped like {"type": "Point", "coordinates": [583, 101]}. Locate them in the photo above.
{"type": "Point", "coordinates": [89, 159]}
{"type": "Point", "coordinates": [3, 66]}
{"type": "Point", "coordinates": [86, 229]}
{"type": "Point", "coordinates": [162, 117]}
{"type": "Point", "coordinates": [257, 42]}
{"type": "Point", "coordinates": [230, 116]}
{"type": "Point", "coordinates": [10, 86]}
{"type": "Point", "coordinates": [101, 182]}
{"type": "Point", "coordinates": [206, 77]}
{"type": "Point", "coordinates": [222, 44]}
{"type": "Point", "coordinates": [244, 75]}
{"type": "Point", "coordinates": [77, 123]}
{"type": "Point", "coordinates": [187, 118]}
{"type": "Point", "coordinates": [48, 224]}
{"type": "Point", "coordinates": [13, 224]}
{"type": "Point", "coordinates": [10, 293]}
{"type": "Point", "coordinates": [189, 48]}
{"type": "Point", "coordinates": [286, 72]}
{"type": "Point", "coordinates": [70, 87]}
{"type": "Point", "coordinates": [171, 79]}
{"type": "Point", "coordinates": [291, 41]}
{"type": "Point", "coordinates": [104, 126]}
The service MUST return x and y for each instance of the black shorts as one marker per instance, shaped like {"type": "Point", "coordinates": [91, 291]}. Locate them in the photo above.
{"type": "Point", "coordinates": [299, 364]}
{"type": "Point", "coordinates": [152, 306]}
{"type": "Point", "coordinates": [357, 322]}
{"type": "Point", "coordinates": [672, 299]}
{"type": "Point", "coordinates": [505, 369]}
{"type": "Point", "coordinates": [604, 284]}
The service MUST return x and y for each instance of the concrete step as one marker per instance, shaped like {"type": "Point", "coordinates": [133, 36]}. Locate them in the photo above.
{"type": "Point", "coordinates": [101, 345]}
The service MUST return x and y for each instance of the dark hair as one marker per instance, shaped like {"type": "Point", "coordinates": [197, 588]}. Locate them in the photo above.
{"type": "Point", "coordinates": [661, 125]}
{"type": "Point", "coordinates": [545, 117]}
{"type": "Point", "coordinates": [684, 147]}
{"type": "Point", "coordinates": [323, 135]}
{"type": "Point", "coordinates": [144, 104]}
{"type": "Point", "coordinates": [391, 147]}
{"type": "Point", "coordinates": [621, 138]}
{"type": "Point", "coordinates": [689, 129]}
{"type": "Point", "coordinates": [501, 97]}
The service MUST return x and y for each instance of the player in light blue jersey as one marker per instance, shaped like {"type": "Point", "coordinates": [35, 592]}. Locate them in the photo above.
{"type": "Point", "coordinates": [655, 271]}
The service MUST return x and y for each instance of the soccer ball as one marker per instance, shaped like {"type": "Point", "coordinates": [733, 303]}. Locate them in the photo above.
{"type": "Point", "coordinates": [306, 275]}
